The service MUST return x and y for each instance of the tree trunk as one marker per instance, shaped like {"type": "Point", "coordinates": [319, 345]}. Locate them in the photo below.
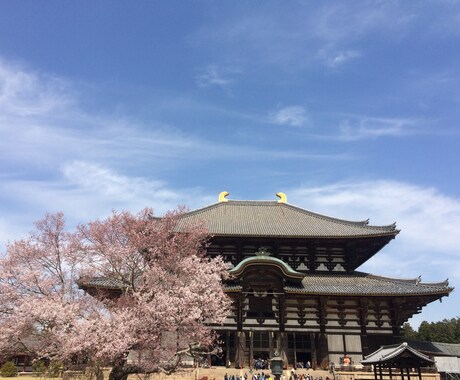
{"type": "Point", "coordinates": [120, 371]}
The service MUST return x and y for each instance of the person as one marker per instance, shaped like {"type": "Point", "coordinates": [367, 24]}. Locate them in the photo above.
{"type": "Point", "coordinates": [308, 366]}
{"type": "Point", "coordinates": [225, 376]}
{"type": "Point", "coordinates": [346, 360]}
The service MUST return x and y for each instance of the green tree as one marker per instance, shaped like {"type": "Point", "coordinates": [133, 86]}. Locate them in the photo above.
{"type": "Point", "coordinates": [408, 332]}
{"type": "Point", "coordinates": [9, 370]}
{"type": "Point", "coordinates": [446, 331]}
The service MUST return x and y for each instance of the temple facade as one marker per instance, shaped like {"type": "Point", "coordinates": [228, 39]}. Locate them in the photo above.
{"type": "Point", "coordinates": [295, 285]}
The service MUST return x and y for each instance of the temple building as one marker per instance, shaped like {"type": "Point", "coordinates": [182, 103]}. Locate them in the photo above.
{"type": "Point", "coordinates": [295, 285]}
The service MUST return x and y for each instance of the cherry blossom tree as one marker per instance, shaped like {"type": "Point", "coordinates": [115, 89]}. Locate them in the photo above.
{"type": "Point", "coordinates": [148, 287]}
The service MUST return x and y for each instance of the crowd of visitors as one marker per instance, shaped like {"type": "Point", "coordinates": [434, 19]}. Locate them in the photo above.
{"type": "Point", "coordinates": [306, 365]}
{"type": "Point", "coordinates": [267, 376]}
{"type": "Point", "coordinates": [261, 364]}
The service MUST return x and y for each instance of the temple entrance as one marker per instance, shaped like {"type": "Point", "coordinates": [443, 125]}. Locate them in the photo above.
{"type": "Point", "coordinates": [299, 349]}
{"type": "Point", "coordinates": [303, 358]}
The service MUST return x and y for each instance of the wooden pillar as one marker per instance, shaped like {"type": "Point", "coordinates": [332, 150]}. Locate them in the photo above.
{"type": "Point", "coordinates": [391, 373]}
{"type": "Point", "coordinates": [239, 354]}
{"type": "Point", "coordinates": [396, 306]}
{"type": "Point", "coordinates": [281, 312]}
{"type": "Point", "coordinates": [314, 356]}
{"type": "Point", "coordinates": [239, 312]}
{"type": "Point", "coordinates": [380, 371]}
{"type": "Point", "coordinates": [270, 344]}
{"type": "Point", "coordinates": [251, 349]}
{"type": "Point", "coordinates": [227, 347]}
{"type": "Point", "coordinates": [408, 373]}
{"type": "Point", "coordinates": [419, 373]}
{"type": "Point", "coordinates": [240, 335]}
{"type": "Point", "coordinates": [363, 313]}
{"type": "Point", "coordinates": [282, 336]}
{"type": "Point", "coordinates": [322, 340]}
{"type": "Point", "coordinates": [282, 347]}
{"type": "Point", "coordinates": [402, 373]}
{"type": "Point", "coordinates": [295, 349]}
{"type": "Point", "coordinates": [375, 371]}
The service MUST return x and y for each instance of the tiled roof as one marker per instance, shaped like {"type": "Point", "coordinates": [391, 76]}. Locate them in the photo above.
{"type": "Point", "coordinates": [270, 218]}
{"type": "Point", "coordinates": [101, 283]}
{"type": "Point", "coordinates": [388, 354]}
{"type": "Point", "coordinates": [436, 348]}
{"type": "Point", "coordinates": [359, 283]}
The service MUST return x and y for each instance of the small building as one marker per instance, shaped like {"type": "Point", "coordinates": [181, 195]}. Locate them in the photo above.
{"type": "Point", "coordinates": [397, 360]}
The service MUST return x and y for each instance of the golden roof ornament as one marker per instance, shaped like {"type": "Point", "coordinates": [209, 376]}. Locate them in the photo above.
{"type": "Point", "coordinates": [282, 197]}
{"type": "Point", "coordinates": [223, 195]}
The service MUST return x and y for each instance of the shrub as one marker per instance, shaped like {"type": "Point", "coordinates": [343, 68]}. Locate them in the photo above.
{"type": "Point", "coordinates": [38, 368]}
{"type": "Point", "coordinates": [54, 369]}
{"type": "Point", "coordinates": [8, 370]}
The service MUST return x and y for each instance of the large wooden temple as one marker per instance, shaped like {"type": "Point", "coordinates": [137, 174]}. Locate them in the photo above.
{"type": "Point", "coordinates": [295, 284]}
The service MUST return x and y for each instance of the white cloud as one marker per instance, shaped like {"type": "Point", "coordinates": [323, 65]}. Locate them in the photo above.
{"type": "Point", "coordinates": [215, 76]}
{"type": "Point", "coordinates": [26, 93]}
{"type": "Point", "coordinates": [295, 116]}
{"type": "Point", "coordinates": [429, 222]}
{"type": "Point", "coordinates": [86, 191]}
{"type": "Point", "coordinates": [364, 127]}
{"type": "Point", "coordinates": [294, 37]}
{"type": "Point", "coordinates": [335, 58]}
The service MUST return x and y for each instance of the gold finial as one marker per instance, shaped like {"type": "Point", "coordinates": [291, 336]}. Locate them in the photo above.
{"type": "Point", "coordinates": [222, 196]}
{"type": "Point", "coordinates": [282, 197]}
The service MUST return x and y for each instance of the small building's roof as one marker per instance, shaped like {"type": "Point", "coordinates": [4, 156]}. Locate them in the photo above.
{"type": "Point", "coordinates": [274, 219]}
{"type": "Point", "coordinates": [359, 284]}
{"type": "Point", "coordinates": [389, 355]}
{"type": "Point", "coordinates": [93, 284]}
{"type": "Point", "coordinates": [436, 348]}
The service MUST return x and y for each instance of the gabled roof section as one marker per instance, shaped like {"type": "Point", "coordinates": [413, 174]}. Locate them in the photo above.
{"type": "Point", "coordinates": [274, 219]}
{"type": "Point", "coordinates": [391, 354]}
{"type": "Point", "coordinates": [261, 260]}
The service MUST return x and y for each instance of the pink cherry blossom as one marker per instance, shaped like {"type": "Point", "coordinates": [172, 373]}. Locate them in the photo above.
{"type": "Point", "coordinates": [165, 296]}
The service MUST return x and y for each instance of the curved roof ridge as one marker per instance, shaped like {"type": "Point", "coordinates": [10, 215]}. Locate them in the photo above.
{"type": "Point", "coordinates": [415, 281]}
{"type": "Point", "coordinates": [361, 223]}
{"type": "Point", "coordinates": [270, 218]}
{"type": "Point", "coordinates": [396, 279]}
{"type": "Point", "coordinates": [444, 283]}
{"type": "Point", "coordinates": [266, 259]}
{"type": "Point", "coordinates": [360, 283]}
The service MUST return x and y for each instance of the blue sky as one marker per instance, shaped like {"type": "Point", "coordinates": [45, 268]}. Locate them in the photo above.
{"type": "Point", "coordinates": [350, 108]}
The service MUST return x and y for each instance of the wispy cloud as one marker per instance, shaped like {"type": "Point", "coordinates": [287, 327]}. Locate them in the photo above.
{"type": "Point", "coordinates": [295, 116]}
{"type": "Point", "coordinates": [335, 58]}
{"type": "Point", "coordinates": [214, 75]}
{"type": "Point", "coordinates": [364, 127]}
{"type": "Point", "coordinates": [428, 219]}
{"type": "Point", "coordinates": [429, 222]}
{"type": "Point", "coordinates": [28, 94]}
{"type": "Point", "coordinates": [85, 191]}
{"type": "Point", "coordinates": [300, 36]}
